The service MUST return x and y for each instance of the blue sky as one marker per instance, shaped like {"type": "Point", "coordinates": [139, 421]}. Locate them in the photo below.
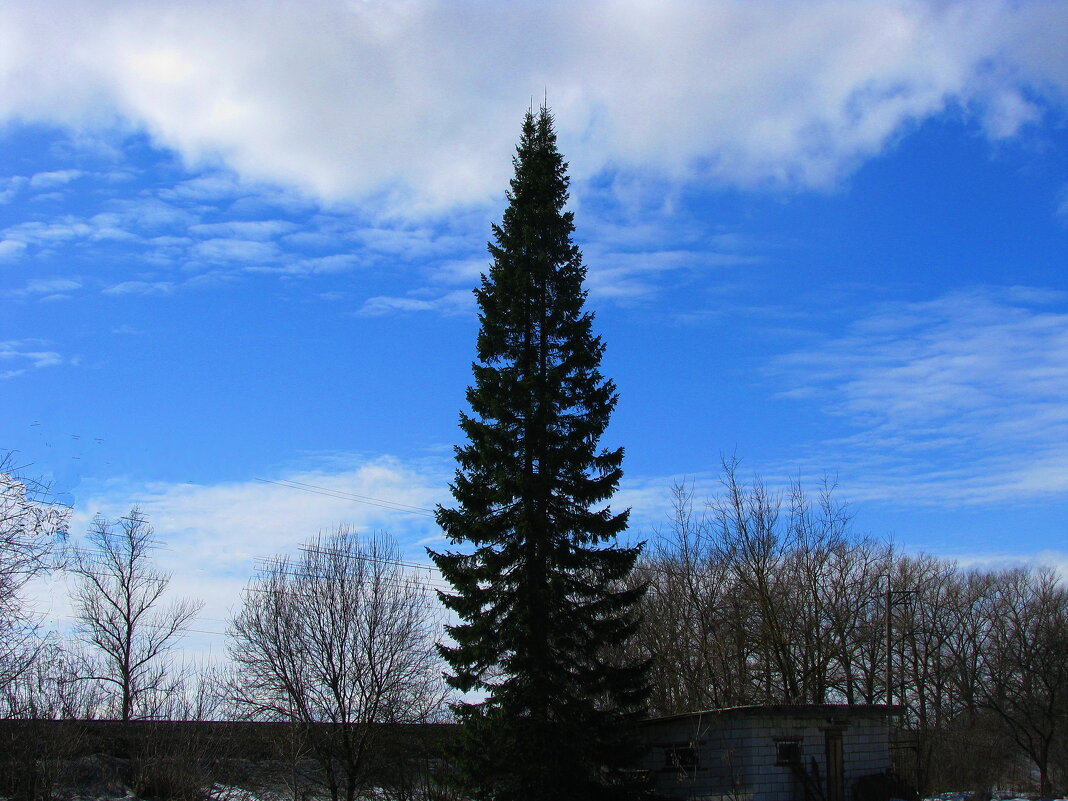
{"type": "Point", "coordinates": [238, 241]}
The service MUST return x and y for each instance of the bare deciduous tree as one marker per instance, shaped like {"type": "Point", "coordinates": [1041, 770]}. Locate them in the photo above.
{"type": "Point", "coordinates": [340, 641]}
{"type": "Point", "coordinates": [117, 603]}
{"type": "Point", "coordinates": [31, 523]}
{"type": "Point", "coordinates": [692, 618]}
{"type": "Point", "coordinates": [768, 597]}
{"type": "Point", "coordinates": [764, 593]}
{"type": "Point", "coordinates": [1027, 681]}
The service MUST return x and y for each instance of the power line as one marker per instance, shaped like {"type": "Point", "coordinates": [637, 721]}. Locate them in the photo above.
{"type": "Point", "coordinates": [290, 481]}
{"type": "Point", "coordinates": [79, 624]}
{"type": "Point", "coordinates": [382, 503]}
{"type": "Point", "coordinates": [296, 571]}
{"type": "Point", "coordinates": [366, 557]}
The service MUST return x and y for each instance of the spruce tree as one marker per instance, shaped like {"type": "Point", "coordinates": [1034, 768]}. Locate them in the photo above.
{"type": "Point", "coordinates": [539, 584]}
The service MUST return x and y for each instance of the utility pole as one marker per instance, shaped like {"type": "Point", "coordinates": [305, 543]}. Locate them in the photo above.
{"type": "Point", "coordinates": [889, 645]}
{"type": "Point", "coordinates": [891, 601]}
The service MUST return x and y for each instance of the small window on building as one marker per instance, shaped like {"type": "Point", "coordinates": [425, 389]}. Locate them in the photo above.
{"type": "Point", "coordinates": [787, 752]}
{"type": "Point", "coordinates": [681, 757]}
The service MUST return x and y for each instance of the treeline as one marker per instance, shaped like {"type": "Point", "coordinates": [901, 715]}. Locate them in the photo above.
{"type": "Point", "coordinates": [757, 596]}
{"type": "Point", "coordinates": [754, 597]}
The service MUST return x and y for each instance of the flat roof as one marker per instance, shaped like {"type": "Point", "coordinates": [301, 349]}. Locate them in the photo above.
{"type": "Point", "coordinates": [795, 710]}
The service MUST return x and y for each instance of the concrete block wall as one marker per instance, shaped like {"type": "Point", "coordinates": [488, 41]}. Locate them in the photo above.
{"type": "Point", "coordinates": [768, 780]}
{"type": "Point", "coordinates": [721, 759]}
{"type": "Point", "coordinates": [867, 749]}
{"type": "Point", "coordinates": [737, 754]}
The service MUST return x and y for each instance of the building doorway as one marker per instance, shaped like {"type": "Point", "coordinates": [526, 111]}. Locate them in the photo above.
{"type": "Point", "coordinates": [835, 765]}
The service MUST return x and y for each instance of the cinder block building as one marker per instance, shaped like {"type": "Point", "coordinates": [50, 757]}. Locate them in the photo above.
{"type": "Point", "coordinates": [768, 753]}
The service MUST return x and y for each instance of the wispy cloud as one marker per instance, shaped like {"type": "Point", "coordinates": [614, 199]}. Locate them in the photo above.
{"type": "Point", "coordinates": [235, 250]}
{"type": "Point", "coordinates": [10, 248]}
{"type": "Point", "coordinates": [1061, 209]}
{"type": "Point", "coordinates": [963, 398]}
{"type": "Point", "coordinates": [62, 228]}
{"type": "Point", "coordinates": [175, 230]}
{"type": "Point", "coordinates": [47, 287]}
{"type": "Point", "coordinates": [638, 274]}
{"type": "Point", "coordinates": [457, 301]}
{"type": "Point", "coordinates": [21, 355]}
{"type": "Point", "coordinates": [54, 178]}
{"type": "Point", "coordinates": [10, 187]}
{"type": "Point", "coordinates": [211, 186]}
{"type": "Point", "coordinates": [140, 288]}
{"type": "Point", "coordinates": [164, 229]}
{"type": "Point", "coordinates": [257, 230]}
{"type": "Point", "coordinates": [153, 215]}
{"type": "Point", "coordinates": [321, 265]}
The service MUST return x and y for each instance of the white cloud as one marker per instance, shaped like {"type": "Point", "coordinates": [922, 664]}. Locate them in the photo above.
{"type": "Point", "coordinates": [209, 187]}
{"type": "Point", "coordinates": [412, 243]}
{"type": "Point", "coordinates": [311, 240]}
{"type": "Point", "coordinates": [165, 231]}
{"type": "Point", "coordinates": [45, 286]}
{"type": "Point", "coordinates": [1058, 560]}
{"type": "Point", "coordinates": [961, 399]}
{"type": "Point", "coordinates": [212, 536]}
{"type": "Point", "coordinates": [416, 103]}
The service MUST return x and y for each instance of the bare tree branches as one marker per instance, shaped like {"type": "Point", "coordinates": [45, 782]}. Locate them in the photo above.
{"type": "Point", "coordinates": [117, 603]}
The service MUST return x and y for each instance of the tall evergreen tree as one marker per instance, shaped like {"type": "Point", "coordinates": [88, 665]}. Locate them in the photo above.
{"type": "Point", "coordinates": [539, 588]}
